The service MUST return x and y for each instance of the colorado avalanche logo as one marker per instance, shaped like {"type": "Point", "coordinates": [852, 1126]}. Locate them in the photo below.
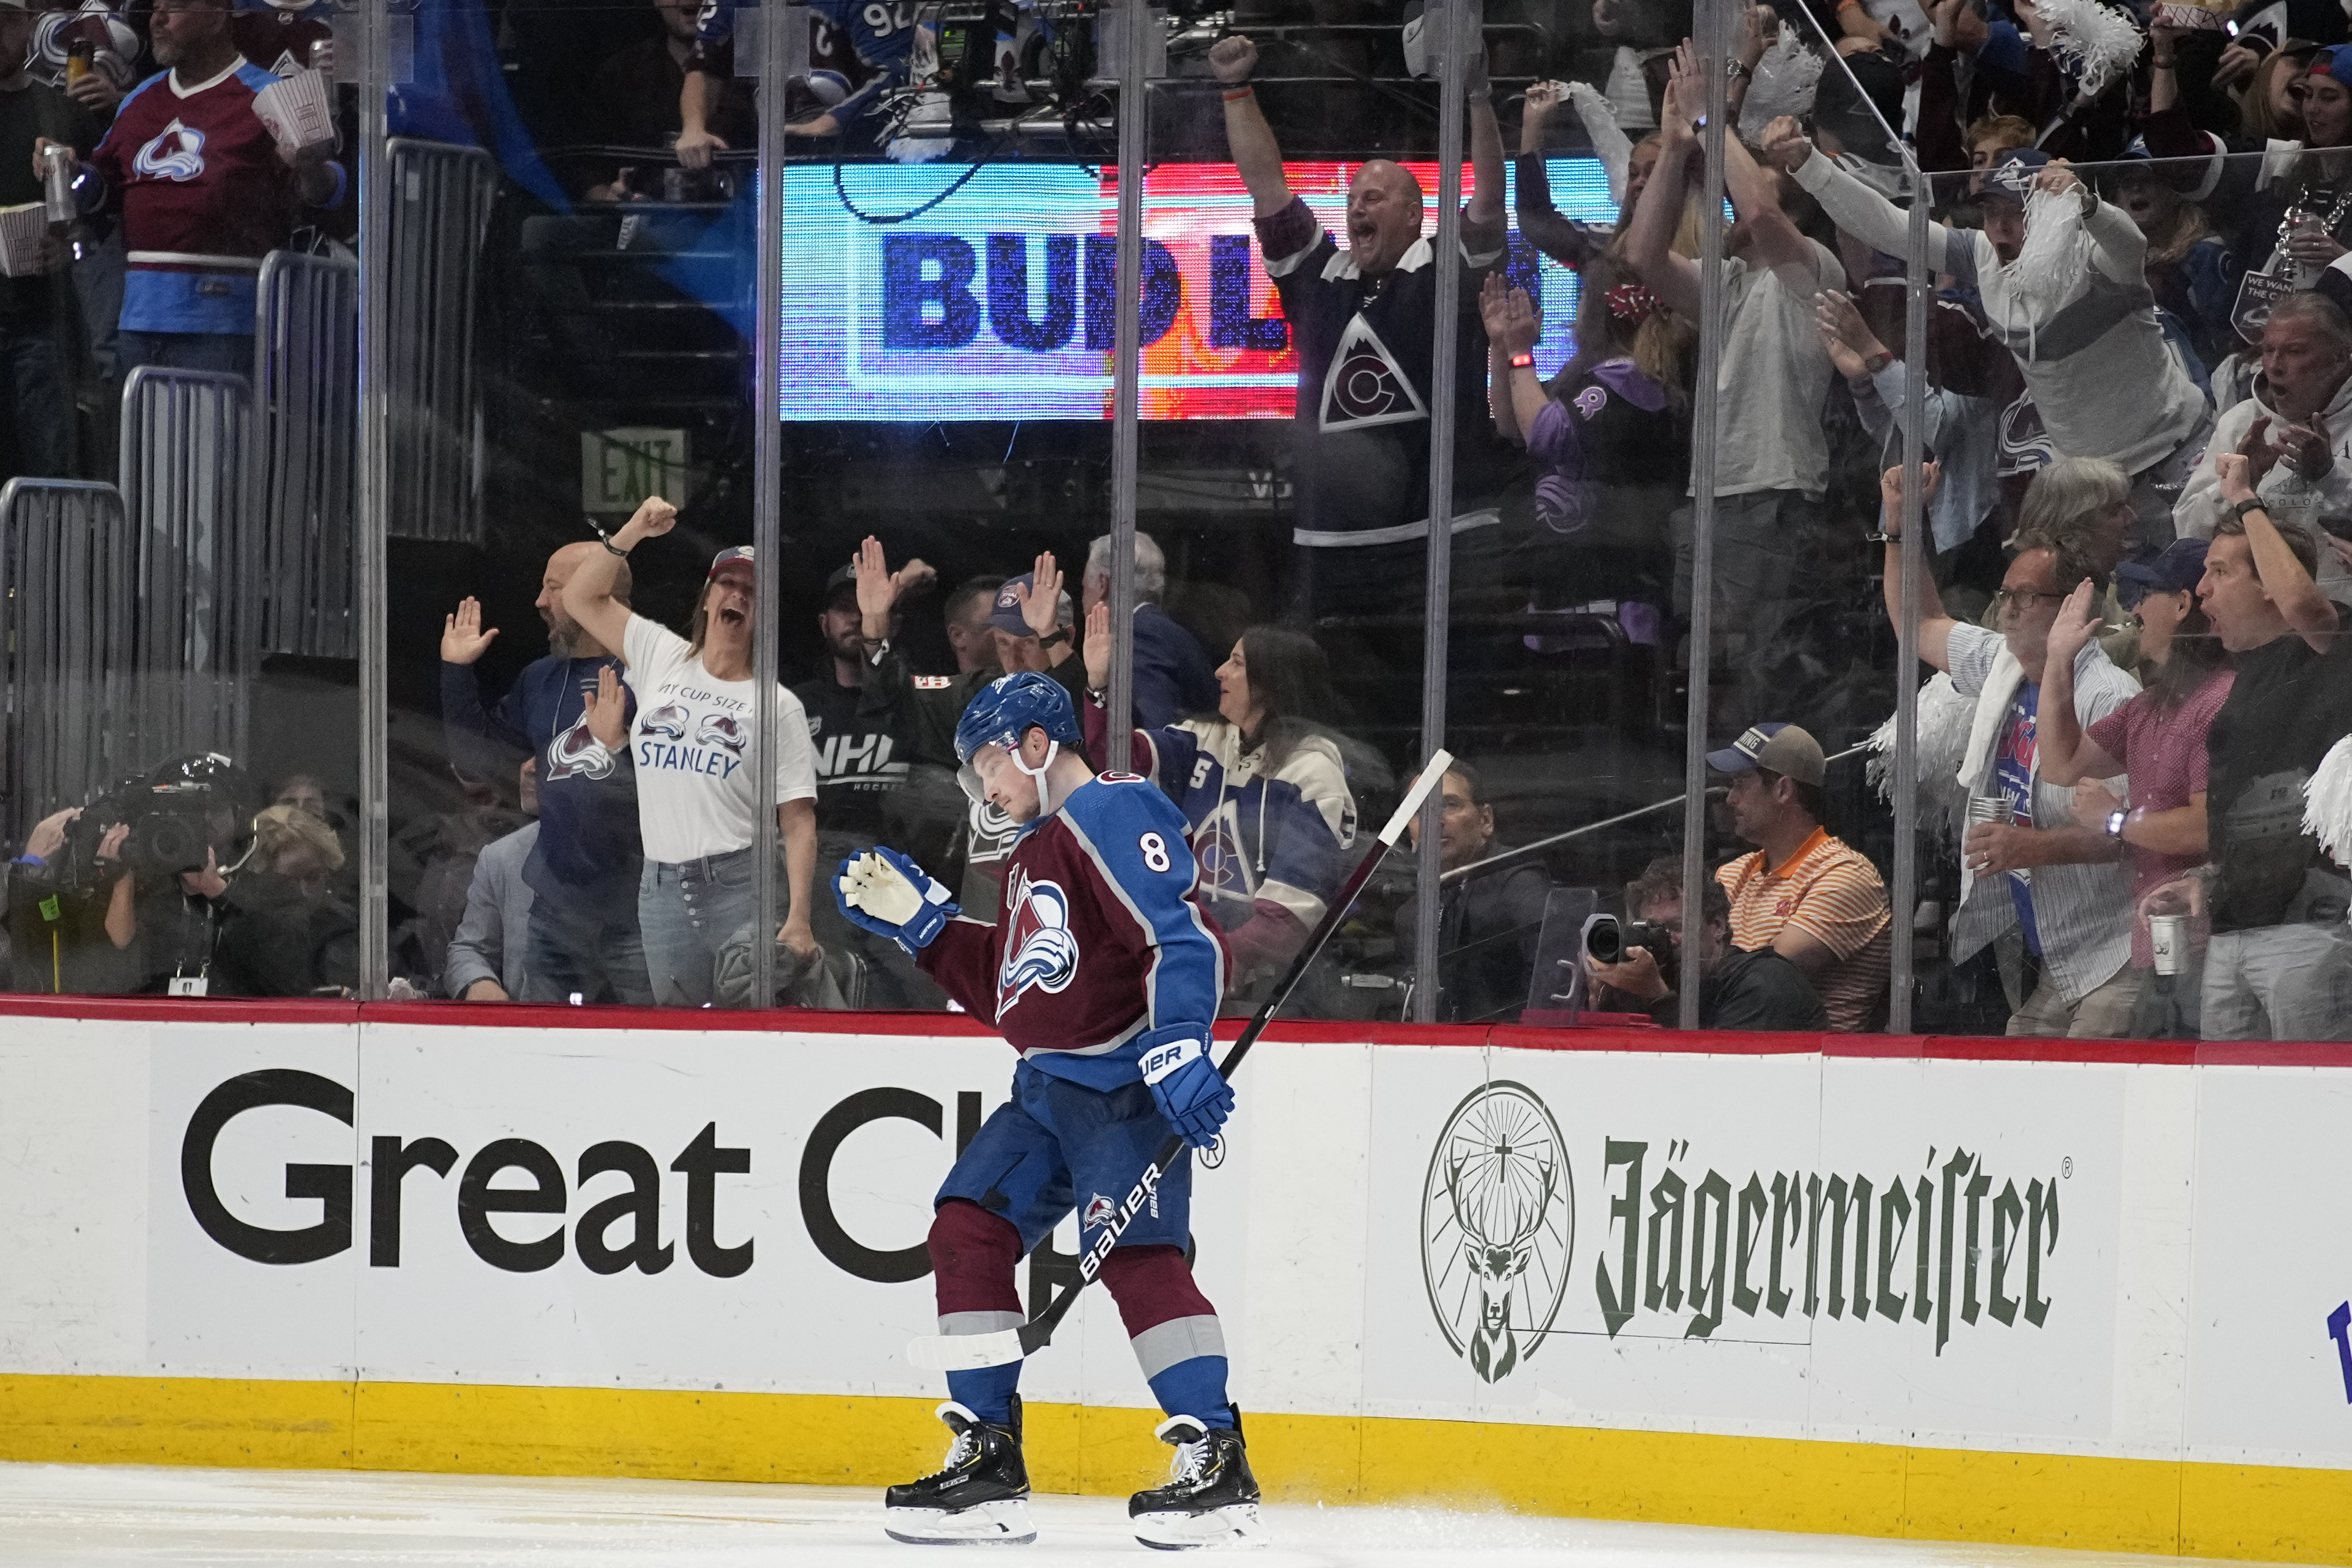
{"type": "Point", "coordinates": [1225, 870]}
{"type": "Point", "coordinates": [1038, 948]}
{"type": "Point", "coordinates": [177, 153]}
{"type": "Point", "coordinates": [1366, 386]}
{"type": "Point", "coordinates": [717, 729]}
{"type": "Point", "coordinates": [666, 722]}
{"type": "Point", "coordinates": [576, 754]}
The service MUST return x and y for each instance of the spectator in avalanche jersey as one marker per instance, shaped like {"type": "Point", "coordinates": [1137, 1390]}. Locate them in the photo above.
{"type": "Point", "coordinates": [204, 194]}
{"type": "Point", "coordinates": [582, 937]}
{"type": "Point", "coordinates": [1264, 789]}
{"type": "Point", "coordinates": [876, 38]}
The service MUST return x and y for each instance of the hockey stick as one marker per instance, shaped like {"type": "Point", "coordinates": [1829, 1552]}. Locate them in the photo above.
{"type": "Point", "coordinates": [971, 1353]}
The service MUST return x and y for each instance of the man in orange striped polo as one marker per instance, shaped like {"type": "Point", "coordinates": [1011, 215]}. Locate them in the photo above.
{"type": "Point", "coordinates": [1804, 893]}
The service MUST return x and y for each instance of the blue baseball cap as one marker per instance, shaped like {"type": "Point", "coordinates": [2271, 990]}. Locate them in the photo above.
{"type": "Point", "coordinates": [1005, 615]}
{"type": "Point", "coordinates": [2014, 175]}
{"type": "Point", "coordinates": [2175, 570]}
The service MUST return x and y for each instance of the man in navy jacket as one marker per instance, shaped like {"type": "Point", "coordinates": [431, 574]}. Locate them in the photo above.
{"type": "Point", "coordinates": [583, 943]}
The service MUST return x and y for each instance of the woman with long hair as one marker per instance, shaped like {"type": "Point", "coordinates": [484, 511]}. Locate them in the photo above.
{"type": "Point", "coordinates": [1263, 783]}
{"type": "Point", "coordinates": [697, 804]}
{"type": "Point", "coordinates": [1608, 434]}
{"type": "Point", "coordinates": [2158, 738]}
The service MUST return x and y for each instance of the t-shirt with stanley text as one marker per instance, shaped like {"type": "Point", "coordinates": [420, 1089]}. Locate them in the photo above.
{"type": "Point", "coordinates": [693, 745]}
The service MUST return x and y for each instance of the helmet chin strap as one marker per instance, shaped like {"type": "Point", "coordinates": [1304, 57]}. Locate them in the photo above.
{"type": "Point", "coordinates": [1044, 796]}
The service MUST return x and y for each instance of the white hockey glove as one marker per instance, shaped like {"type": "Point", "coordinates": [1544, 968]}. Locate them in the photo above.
{"type": "Point", "coordinates": [890, 894]}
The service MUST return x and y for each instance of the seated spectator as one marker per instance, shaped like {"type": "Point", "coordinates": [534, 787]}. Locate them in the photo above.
{"type": "Point", "coordinates": [35, 404]}
{"type": "Point", "coordinates": [1488, 925]}
{"type": "Point", "coordinates": [2108, 385]}
{"type": "Point", "coordinates": [2295, 431]}
{"type": "Point", "coordinates": [2050, 896]}
{"type": "Point", "coordinates": [877, 43]}
{"type": "Point", "coordinates": [696, 802]}
{"type": "Point", "coordinates": [205, 193]}
{"type": "Point", "coordinates": [1262, 784]}
{"type": "Point", "coordinates": [1805, 895]}
{"type": "Point", "coordinates": [1173, 676]}
{"type": "Point", "coordinates": [2158, 737]}
{"type": "Point", "coordinates": [283, 931]}
{"type": "Point", "coordinates": [1737, 990]}
{"type": "Point", "coordinates": [2279, 964]}
{"type": "Point", "coordinates": [489, 957]}
{"type": "Point", "coordinates": [1606, 433]}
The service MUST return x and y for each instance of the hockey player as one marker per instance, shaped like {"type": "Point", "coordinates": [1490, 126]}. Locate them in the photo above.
{"type": "Point", "coordinates": [1104, 973]}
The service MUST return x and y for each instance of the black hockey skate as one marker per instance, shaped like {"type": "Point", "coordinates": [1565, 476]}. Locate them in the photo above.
{"type": "Point", "coordinates": [1211, 1498]}
{"type": "Point", "coordinates": [980, 1497]}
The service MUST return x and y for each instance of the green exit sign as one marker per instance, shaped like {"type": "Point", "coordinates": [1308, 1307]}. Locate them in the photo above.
{"type": "Point", "coordinates": [619, 469]}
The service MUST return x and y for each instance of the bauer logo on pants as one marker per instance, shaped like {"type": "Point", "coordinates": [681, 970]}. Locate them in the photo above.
{"type": "Point", "coordinates": [1498, 1227]}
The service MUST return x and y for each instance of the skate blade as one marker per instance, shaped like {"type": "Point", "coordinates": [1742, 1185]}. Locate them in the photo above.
{"type": "Point", "coordinates": [1004, 1523]}
{"type": "Point", "coordinates": [1232, 1528]}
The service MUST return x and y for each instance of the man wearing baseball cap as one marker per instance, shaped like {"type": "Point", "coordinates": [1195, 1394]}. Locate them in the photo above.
{"type": "Point", "coordinates": [1804, 893]}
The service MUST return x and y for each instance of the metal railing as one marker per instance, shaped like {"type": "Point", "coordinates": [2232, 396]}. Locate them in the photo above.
{"type": "Point", "coordinates": [305, 428]}
{"type": "Point", "coordinates": [440, 198]}
{"type": "Point", "coordinates": [67, 624]}
{"type": "Point", "coordinates": [185, 456]}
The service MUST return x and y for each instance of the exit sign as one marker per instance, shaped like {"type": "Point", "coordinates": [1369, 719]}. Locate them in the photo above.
{"type": "Point", "coordinates": [619, 469]}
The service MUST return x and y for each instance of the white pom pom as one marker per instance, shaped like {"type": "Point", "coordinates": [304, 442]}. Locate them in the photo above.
{"type": "Point", "coordinates": [2327, 802]}
{"type": "Point", "coordinates": [1945, 715]}
{"type": "Point", "coordinates": [1786, 80]}
{"type": "Point", "coordinates": [2099, 42]}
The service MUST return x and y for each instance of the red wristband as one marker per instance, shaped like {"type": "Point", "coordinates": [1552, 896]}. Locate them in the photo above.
{"type": "Point", "coordinates": [1235, 95]}
{"type": "Point", "coordinates": [1523, 362]}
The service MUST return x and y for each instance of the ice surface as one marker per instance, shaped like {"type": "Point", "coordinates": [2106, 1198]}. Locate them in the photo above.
{"type": "Point", "coordinates": [57, 1515]}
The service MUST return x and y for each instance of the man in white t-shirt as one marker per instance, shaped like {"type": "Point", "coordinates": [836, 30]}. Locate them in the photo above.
{"type": "Point", "coordinates": [698, 802]}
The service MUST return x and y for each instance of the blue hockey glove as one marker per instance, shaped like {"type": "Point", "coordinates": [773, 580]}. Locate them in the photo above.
{"type": "Point", "coordinates": [890, 895]}
{"type": "Point", "coordinates": [1190, 1090]}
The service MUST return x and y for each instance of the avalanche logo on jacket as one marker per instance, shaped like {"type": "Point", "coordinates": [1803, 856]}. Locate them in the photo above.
{"type": "Point", "coordinates": [1038, 948]}
{"type": "Point", "coordinates": [576, 754]}
{"type": "Point", "coordinates": [177, 153]}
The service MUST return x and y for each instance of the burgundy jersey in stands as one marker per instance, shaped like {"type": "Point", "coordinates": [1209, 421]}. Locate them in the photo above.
{"type": "Point", "coordinates": [1102, 935]}
{"type": "Point", "coordinates": [203, 197]}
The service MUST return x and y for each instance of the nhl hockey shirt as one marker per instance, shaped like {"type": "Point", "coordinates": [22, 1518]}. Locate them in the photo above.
{"type": "Point", "coordinates": [203, 196]}
{"type": "Point", "coordinates": [1102, 936]}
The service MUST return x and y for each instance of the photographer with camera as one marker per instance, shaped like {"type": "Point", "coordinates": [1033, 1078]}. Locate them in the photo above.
{"type": "Point", "coordinates": [130, 895]}
{"type": "Point", "coordinates": [60, 923]}
{"type": "Point", "coordinates": [1644, 958]}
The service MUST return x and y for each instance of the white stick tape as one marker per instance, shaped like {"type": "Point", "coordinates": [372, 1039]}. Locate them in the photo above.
{"type": "Point", "coordinates": [1430, 772]}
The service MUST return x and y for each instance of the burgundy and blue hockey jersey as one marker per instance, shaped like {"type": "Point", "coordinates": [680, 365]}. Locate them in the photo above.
{"type": "Point", "coordinates": [203, 197]}
{"type": "Point", "coordinates": [1102, 936]}
{"type": "Point", "coordinates": [870, 43]}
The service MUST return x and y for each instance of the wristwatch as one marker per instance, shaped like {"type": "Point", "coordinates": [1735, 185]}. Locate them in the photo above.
{"type": "Point", "coordinates": [1878, 361]}
{"type": "Point", "coordinates": [1059, 634]}
{"type": "Point", "coordinates": [2116, 820]}
{"type": "Point", "coordinates": [2250, 504]}
{"type": "Point", "coordinates": [1734, 70]}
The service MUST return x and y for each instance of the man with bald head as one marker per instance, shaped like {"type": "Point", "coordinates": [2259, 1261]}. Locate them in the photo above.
{"type": "Point", "coordinates": [1364, 320]}
{"type": "Point", "coordinates": [583, 943]}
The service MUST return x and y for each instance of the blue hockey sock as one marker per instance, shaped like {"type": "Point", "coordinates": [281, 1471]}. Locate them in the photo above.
{"type": "Point", "coordinates": [1195, 1387]}
{"type": "Point", "coordinates": [988, 1393]}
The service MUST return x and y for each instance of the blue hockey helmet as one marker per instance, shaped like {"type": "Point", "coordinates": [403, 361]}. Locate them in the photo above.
{"type": "Point", "coordinates": [1001, 712]}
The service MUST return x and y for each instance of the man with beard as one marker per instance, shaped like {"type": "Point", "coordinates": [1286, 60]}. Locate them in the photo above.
{"type": "Point", "coordinates": [864, 763]}
{"type": "Point", "coordinates": [205, 192]}
{"type": "Point", "coordinates": [2294, 432]}
{"type": "Point", "coordinates": [582, 943]}
{"type": "Point", "coordinates": [2061, 275]}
